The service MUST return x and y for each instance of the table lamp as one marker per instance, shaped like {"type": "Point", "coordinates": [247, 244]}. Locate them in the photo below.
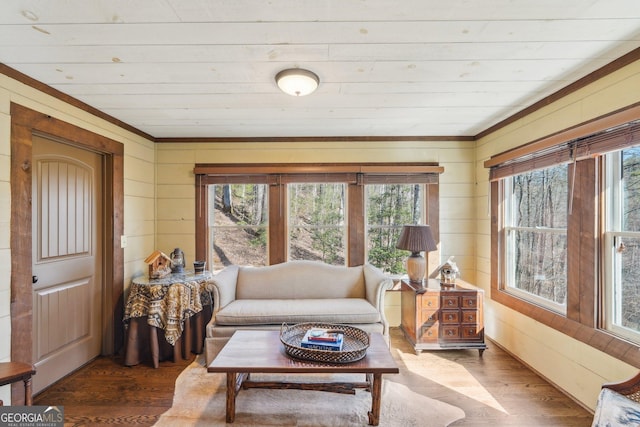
{"type": "Point", "coordinates": [416, 238]}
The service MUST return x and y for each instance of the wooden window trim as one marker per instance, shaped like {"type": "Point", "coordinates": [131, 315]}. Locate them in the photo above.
{"type": "Point", "coordinates": [582, 321]}
{"type": "Point", "coordinates": [614, 119]}
{"type": "Point", "coordinates": [225, 169]}
{"type": "Point", "coordinates": [355, 175]}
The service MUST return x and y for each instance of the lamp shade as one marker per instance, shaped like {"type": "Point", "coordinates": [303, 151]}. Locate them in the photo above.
{"type": "Point", "coordinates": [416, 238]}
{"type": "Point", "coordinates": [297, 82]}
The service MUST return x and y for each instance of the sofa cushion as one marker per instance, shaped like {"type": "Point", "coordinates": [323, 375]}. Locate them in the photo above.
{"type": "Point", "coordinates": [277, 311]}
{"type": "Point", "coordinates": [300, 279]}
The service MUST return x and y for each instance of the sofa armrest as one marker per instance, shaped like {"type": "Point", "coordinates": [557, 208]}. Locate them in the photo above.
{"type": "Point", "coordinates": [223, 286]}
{"type": "Point", "coordinates": [376, 284]}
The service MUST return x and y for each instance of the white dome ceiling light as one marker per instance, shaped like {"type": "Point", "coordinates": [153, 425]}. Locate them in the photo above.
{"type": "Point", "coordinates": [297, 82]}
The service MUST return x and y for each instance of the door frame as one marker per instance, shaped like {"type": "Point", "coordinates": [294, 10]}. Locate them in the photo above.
{"type": "Point", "coordinates": [24, 123]}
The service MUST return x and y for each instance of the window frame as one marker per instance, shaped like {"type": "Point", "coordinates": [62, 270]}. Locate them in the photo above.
{"type": "Point", "coordinates": [397, 227]}
{"type": "Point", "coordinates": [343, 228]}
{"type": "Point", "coordinates": [613, 232]}
{"type": "Point", "coordinates": [582, 146]}
{"type": "Point", "coordinates": [278, 175]}
{"type": "Point", "coordinates": [211, 230]}
{"type": "Point", "coordinates": [508, 213]}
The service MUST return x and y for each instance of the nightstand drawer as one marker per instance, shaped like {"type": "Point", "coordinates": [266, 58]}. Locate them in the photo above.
{"type": "Point", "coordinates": [469, 316]}
{"type": "Point", "coordinates": [450, 301]}
{"type": "Point", "coordinates": [450, 332]}
{"type": "Point", "coordinates": [430, 301]}
{"type": "Point", "coordinates": [471, 332]}
{"type": "Point", "coordinates": [429, 332]}
{"type": "Point", "coordinates": [429, 316]}
{"type": "Point", "coordinates": [469, 301]}
{"type": "Point", "coordinates": [451, 316]}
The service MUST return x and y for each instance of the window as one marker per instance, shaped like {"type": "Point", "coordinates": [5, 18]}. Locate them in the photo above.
{"type": "Point", "coordinates": [565, 232]}
{"type": "Point", "coordinates": [388, 208]}
{"type": "Point", "coordinates": [317, 226]}
{"type": "Point", "coordinates": [536, 236]}
{"type": "Point", "coordinates": [238, 224]}
{"type": "Point", "coordinates": [263, 214]}
{"type": "Point", "coordinates": [622, 241]}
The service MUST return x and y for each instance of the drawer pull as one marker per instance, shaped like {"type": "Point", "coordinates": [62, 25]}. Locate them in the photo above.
{"type": "Point", "coordinates": [429, 304]}
{"type": "Point", "coordinates": [450, 317]}
{"type": "Point", "coordinates": [450, 302]}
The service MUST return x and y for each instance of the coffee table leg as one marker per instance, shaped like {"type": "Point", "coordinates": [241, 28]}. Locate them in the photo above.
{"type": "Point", "coordinates": [231, 396]}
{"type": "Point", "coordinates": [376, 395]}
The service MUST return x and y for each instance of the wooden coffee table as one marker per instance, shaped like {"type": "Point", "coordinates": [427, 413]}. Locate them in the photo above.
{"type": "Point", "coordinates": [250, 352]}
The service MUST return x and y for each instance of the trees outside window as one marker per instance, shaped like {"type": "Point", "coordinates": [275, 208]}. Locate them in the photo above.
{"type": "Point", "coordinates": [265, 214]}
{"type": "Point", "coordinates": [623, 243]}
{"type": "Point", "coordinates": [238, 224]}
{"type": "Point", "coordinates": [565, 233]}
{"type": "Point", "coordinates": [536, 235]}
{"type": "Point", "coordinates": [317, 226]}
{"type": "Point", "coordinates": [388, 208]}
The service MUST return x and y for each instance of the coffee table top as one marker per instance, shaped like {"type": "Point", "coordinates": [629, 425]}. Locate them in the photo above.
{"type": "Point", "coordinates": [263, 352]}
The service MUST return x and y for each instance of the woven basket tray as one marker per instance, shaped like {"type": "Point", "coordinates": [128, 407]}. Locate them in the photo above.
{"type": "Point", "coordinates": [354, 347]}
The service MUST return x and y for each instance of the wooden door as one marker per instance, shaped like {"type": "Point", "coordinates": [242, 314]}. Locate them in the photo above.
{"type": "Point", "coordinates": [67, 259]}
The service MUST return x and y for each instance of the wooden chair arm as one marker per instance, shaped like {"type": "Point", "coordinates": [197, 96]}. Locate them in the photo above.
{"type": "Point", "coordinates": [629, 388]}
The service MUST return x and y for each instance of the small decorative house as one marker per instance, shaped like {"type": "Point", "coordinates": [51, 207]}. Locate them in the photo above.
{"type": "Point", "coordinates": [159, 265]}
{"type": "Point", "coordinates": [448, 273]}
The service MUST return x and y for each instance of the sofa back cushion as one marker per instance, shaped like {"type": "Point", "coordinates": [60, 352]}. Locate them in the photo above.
{"type": "Point", "coordinates": [300, 279]}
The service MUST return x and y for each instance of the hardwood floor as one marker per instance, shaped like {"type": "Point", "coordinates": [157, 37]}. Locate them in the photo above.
{"type": "Point", "coordinates": [105, 392]}
{"type": "Point", "coordinates": [495, 390]}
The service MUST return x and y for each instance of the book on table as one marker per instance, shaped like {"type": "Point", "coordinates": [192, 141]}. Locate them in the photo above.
{"type": "Point", "coordinates": [322, 339]}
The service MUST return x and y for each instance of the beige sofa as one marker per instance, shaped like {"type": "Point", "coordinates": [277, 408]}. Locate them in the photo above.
{"type": "Point", "coordinates": [294, 292]}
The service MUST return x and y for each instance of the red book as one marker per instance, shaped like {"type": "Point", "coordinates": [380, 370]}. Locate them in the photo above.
{"type": "Point", "coordinates": [323, 335]}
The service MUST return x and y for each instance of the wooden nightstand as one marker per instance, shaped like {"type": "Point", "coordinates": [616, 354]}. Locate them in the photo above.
{"type": "Point", "coordinates": [435, 317]}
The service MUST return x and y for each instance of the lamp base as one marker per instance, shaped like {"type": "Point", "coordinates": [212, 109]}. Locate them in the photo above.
{"type": "Point", "coordinates": [416, 267]}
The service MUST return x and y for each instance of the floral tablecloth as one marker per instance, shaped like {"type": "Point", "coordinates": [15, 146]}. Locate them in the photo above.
{"type": "Point", "coordinates": [169, 301]}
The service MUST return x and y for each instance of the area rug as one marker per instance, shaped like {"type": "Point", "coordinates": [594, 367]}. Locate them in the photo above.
{"type": "Point", "coordinates": [199, 400]}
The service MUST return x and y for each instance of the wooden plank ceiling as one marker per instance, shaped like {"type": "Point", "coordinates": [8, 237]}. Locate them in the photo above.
{"type": "Point", "coordinates": [205, 68]}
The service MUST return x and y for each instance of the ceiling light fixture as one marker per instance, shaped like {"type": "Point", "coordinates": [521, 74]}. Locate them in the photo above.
{"type": "Point", "coordinates": [297, 82]}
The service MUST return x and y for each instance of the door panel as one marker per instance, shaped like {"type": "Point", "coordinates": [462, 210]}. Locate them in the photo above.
{"type": "Point", "coordinates": [67, 259]}
{"type": "Point", "coordinates": [60, 319]}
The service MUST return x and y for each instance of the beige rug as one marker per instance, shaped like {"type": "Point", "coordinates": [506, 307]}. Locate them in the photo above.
{"type": "Point", "coordinates": [199, 400]}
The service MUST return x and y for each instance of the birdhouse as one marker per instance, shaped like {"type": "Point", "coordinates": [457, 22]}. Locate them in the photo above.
{"type": "Point", "coordinates": [159, 265]}
{"type": "Point", "coordinates": [448, 273]}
